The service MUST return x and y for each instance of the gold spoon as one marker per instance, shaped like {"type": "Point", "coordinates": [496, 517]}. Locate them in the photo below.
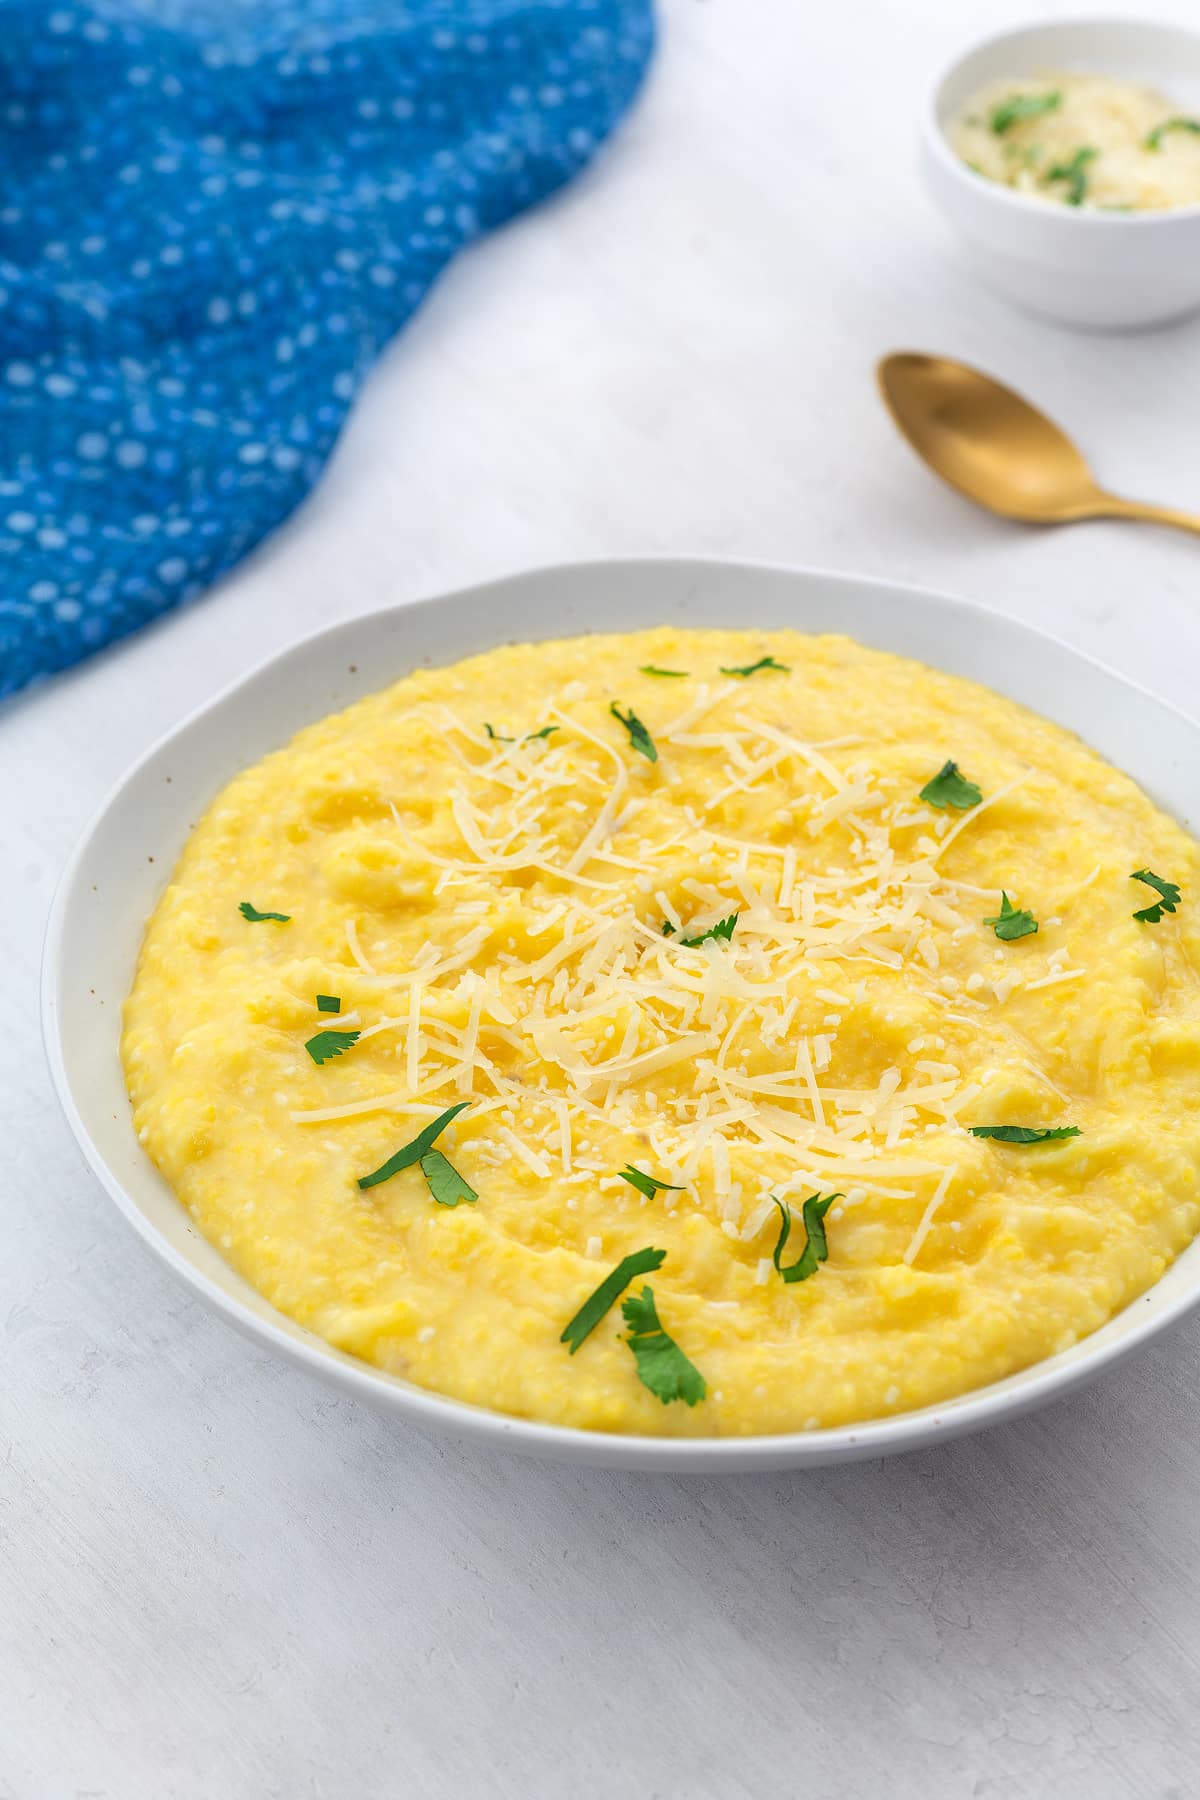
{"type": "Point", "coordinates": [999, 450]}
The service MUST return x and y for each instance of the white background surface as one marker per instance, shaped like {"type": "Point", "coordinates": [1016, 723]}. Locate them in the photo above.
{"type": "Point", "coordinates": [218, 1580]}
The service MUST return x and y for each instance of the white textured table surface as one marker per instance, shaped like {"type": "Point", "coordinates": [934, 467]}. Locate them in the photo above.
{"type": "Point", "coordinates": [219, 1580]}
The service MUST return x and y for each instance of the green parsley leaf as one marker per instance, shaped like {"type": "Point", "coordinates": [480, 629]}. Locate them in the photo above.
{"type": "Point", "coordinates": [1167, 889]}
{"type": "Point", "coordinates": [1074, 173]}
{"type": "Point", "coordinates": [764, 662]}
{"type": "Point", "coordinates": [667, 674]}
{"type": "Point", "coordinates": [668, 928]}
{"type": "Point", "coordinates": [642, 1262]}
{"type": "Point", "coordinates": [327, 1044]}
{"type": "Point", "coordinates": [498, 737]}
{"type": "Point", "coordinates": [413, 1152]}
{"type": "Point", "coordinates": [950, 787]}
{"type": "Point", "coordinates": [1024, 1134]}
{"type": "Point", "coordinates": [661, 1364]}
{"type": "Point", "coordinates": [1011, 922]}
{"type": "Point", "coordinates": [646, 1184]}
{"type": "Point", "coordinates": [255, 917]}
{"type": "Point", "coordinates": [445, 1183]}
{"type": "Point", "coordinates": [815, 1249]}
{"type": "Point", "coordinates": [639, 737]}
{"type": "Point", "coordinates": [1154, 140]}
{"type": "Point", "coordinates": [329, 1003]}
{"type": "Point", "coordinates": [1010, 112]}
{"type": "Point", "coordinates": [720, 933]}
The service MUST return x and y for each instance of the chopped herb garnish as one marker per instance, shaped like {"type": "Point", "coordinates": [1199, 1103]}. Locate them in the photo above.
{"type": "Point", "coordinates": [642, 1262]}
{"type": "Point", "coordinates": [1012, 922]}
{"type": "Point", "coordinates": [647, 1184]}
{"type": "Point", "coordinates": [327, 1044]}
{"type": "Point", "coordinates": [413, 1152]}
{"type": "Point", "coordinates": [668, 928]}
{"type": "Point", "coordinates": [329, 1003]}
{"type": "Point", "coordinates": [764, 662]}
{"type": "Point", "coordinates": [639, 737]}
{"type": "Point", "coordinates": [720, 933]}
{"type": "Point", "coordinates": [255, 917]}
{"type": "Point", "coordinates": [1154, 140]}
{"type": "Point", "coordinates": [445, 1183]}
{"type": "Point", "coordinates": [1074, 173]}
{"type": "Point", "coordinates": [951, 788]}
{"type": "Point", "coordinates": [1024, 1134]}
{"type": "Point", "coordinates": [1017, 107]}
{"type": "Point", "coordinates": [815, 1249]}
{"type": "Point", "coordinates": [661, 1364]}
{"type": "Point", "coordinates": [667, 674]}
{"type": "Point", "coordinates": [1166, 889]}
{"type": "Point", "coordinates": [498, 737]}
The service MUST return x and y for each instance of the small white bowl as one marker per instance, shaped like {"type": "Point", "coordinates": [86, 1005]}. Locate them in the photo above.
{"type": "Point", "coordinates": [116, 874]}
{"type": "Point", "coordinates": [1095, 269]}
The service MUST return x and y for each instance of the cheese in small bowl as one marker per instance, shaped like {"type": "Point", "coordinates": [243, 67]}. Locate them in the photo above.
{"type": "Point", "coordinates": [682, 1032]}
{"type": "Point", "coordinates": [1087, 141]}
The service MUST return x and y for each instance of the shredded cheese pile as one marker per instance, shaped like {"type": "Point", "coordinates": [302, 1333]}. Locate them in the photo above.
{"type": "Point", "coordinates": [1101, 143]}
{"type": "Point", "coordinates": [561, 1035]}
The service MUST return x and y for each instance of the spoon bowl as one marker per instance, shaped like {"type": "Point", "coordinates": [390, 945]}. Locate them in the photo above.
{"type": "Point", "coordinates": [996, 448]}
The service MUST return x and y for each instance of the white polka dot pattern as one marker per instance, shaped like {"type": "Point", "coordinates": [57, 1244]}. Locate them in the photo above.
{"type": "Point", "coordinates": [214, 214]}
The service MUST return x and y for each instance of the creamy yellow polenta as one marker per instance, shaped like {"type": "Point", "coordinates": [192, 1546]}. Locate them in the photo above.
{"type": "Point", "coordinates": [490, 914]}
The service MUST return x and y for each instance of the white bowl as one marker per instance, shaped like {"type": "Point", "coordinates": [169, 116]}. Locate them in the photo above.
{"type": "Point", "coordinates": [110, 885]}
{"type": "Point", "coordinates": [1103, 270]}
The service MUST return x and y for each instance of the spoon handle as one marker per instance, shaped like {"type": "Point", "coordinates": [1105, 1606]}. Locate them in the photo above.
{"type": "Point", "coordinates": [1116, 508]}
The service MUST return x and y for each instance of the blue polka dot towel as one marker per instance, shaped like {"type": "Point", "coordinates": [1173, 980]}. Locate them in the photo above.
{"type": "Point", "coordinates": [213, 215]}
